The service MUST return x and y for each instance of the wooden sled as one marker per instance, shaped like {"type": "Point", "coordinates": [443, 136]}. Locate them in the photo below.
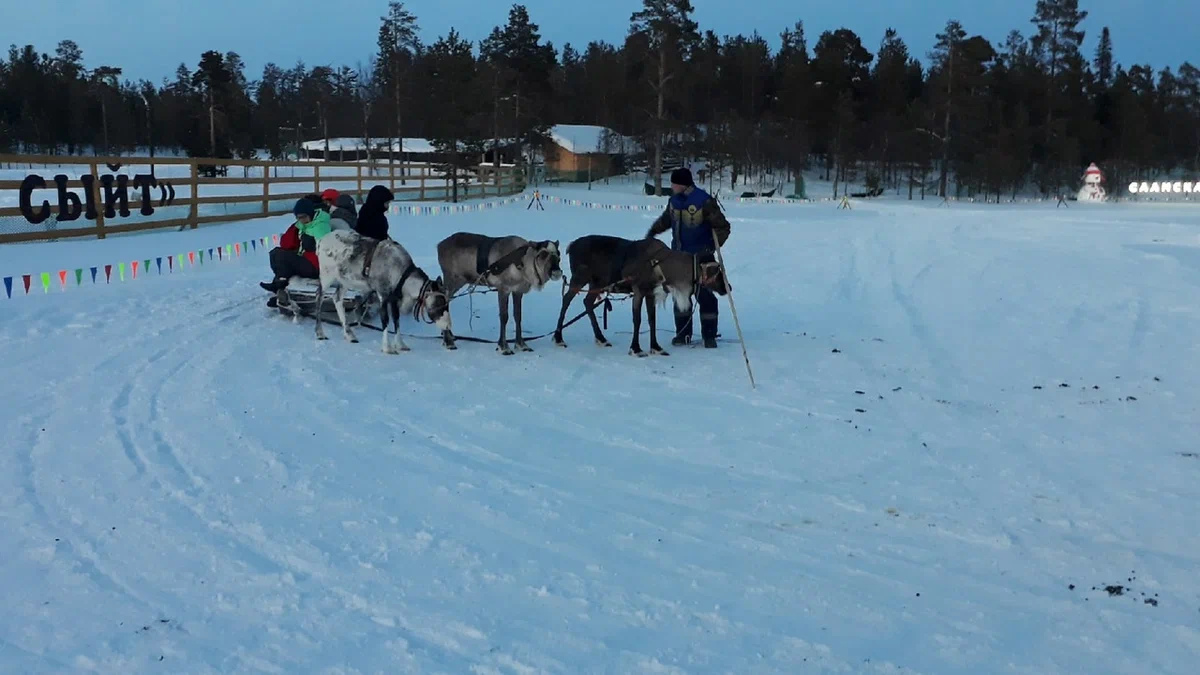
{"type": "Point", "coordinates": [302, 300]}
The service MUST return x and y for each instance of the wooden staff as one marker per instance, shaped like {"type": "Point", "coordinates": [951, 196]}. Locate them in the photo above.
{"type": "Point", "coordinates": [736, 323]}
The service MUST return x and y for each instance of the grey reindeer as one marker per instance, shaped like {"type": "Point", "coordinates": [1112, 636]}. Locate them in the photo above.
{"type": "Point", "coordinates": [510, 265]}
{"type": "Point", "coordinates": [384, 269]}
{"type": "Point", "coordinates": [645, 268]}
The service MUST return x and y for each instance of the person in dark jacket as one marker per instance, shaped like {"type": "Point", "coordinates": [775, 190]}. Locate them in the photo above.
{"type": "Point", "coordinates": [697, 226]}
{"type": "Point", "coordinates": [372, 218]}
{"type": "Point", "coordinates": [345, 211]}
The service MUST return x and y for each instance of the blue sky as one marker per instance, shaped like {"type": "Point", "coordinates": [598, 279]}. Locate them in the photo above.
{"type": "Point", "coordinates": [318, 32]}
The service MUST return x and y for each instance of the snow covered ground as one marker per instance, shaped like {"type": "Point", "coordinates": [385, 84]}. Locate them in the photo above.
{"type": "Point", "coordinates": [969, 421]}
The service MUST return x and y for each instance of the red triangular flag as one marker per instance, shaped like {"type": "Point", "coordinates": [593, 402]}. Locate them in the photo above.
{"type": "Point", "coordinates": [134, 265]}
{"type": "Point", "coordinates": [238, 249]}
{"type": "Point", "coordinates": [27, 279]}
{"type": "Point", "coordinates": [192, 258]}
{"type": "Point", "coordinates": [62, 278]}
{"type": "Point", "coordinates": [108, 274]}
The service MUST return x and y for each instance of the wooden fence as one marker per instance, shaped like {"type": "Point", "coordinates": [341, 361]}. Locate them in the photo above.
{"type": "Point", "coordinates": [47, 197]}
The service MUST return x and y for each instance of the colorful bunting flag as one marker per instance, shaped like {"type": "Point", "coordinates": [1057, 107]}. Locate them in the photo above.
{"type": "Point", "coordinates": [237, 249]}
{"type": "Point", "coordinates": [79, 276]}
{"type": "Point", "coordinates": [93, 275]}
{"type": "Point", "coordinates": [254, 244]}
{"type": "Point", "coordinates": [146, 266]}
{"type": "Point", "coordinates": [45, 282]}
{"type": "Point", "coordinates": [158, 261]}
{"type": "Point", "coordinates": [134, 266]}
{"type": "Point", "coordinates": [121, 271]}
{"type": "Point", "coordinates": [28, 280]}
{"type": "Point", "coordinates": [8, 286]}
{"type": "Point", "coordinates": [62, 279]}
{"type": "Point", "coordinates": [191, 258]}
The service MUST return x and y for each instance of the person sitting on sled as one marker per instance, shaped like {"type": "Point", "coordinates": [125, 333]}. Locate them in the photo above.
{"type": "Point", "coordinates": [372, 217]}
{"type": "Point", "coordinates": [344, 215]}
{"type": "Point", "coordinates": [296, 255]}
{"type": "Point", "coordinates": [328, 197]}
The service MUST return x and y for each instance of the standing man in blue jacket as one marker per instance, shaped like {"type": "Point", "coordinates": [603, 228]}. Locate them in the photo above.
{"type": "Point", "coordinates": [697, 227]}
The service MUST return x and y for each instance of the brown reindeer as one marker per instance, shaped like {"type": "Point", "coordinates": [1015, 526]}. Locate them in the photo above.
{"type": "Point", "coordinates": [642, 267]}
{"type": "Point", "coordinates": [511, 265]}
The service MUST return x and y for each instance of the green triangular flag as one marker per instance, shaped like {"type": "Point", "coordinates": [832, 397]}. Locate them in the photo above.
{"type": "Point", "coordinates": [121, 270]}
{"type": "Point", "coordinates": [201, 256]}
{"type": "Point", "coordinates": [146, 266]}
{"type": "Point", "coordinates": [180, 258]}
{"type": "Point", "coordinates": [79, 276]}
{"type": "Point", "coordinates": [46, 281]}
{"type": "Point", "coordinates": [228, 250]}
{"type": "Point", "coordinates": [245, 247]}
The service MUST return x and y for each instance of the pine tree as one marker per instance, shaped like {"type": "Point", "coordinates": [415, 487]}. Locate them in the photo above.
{"type": "Point", "coordinates": [398, 48]}
{"type": "Point", "coordinates": [1104, 58]}
{"type": "Point", "coordinates": [945, 52]}
{"type": "Point", "coordinates": [670, 30]}
{"type": "Point", "coordinates": [794, 85]}
{"type": "Point", "coordinates": [1057, 41]}
{"type": "Point", "coordinates": [456, 131]}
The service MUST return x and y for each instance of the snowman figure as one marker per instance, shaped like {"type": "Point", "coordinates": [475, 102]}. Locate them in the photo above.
{"type": "Point", "coordinates": [1092, 190]}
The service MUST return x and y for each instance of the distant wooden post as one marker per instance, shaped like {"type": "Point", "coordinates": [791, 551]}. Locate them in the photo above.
{"type": "Point", "coordinates": [194, 211]}
{"type": "Point", "coordinates": [266, 190]}
{"type": "Point", "coordinates": [99, 200]}
{"type": "Point", "coordinates": [358, 178]}
{"type": "Point", "coordinates": [317, 178]}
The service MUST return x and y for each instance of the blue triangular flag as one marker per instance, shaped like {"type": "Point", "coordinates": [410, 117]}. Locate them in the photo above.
{"type": "Point", "coordinates": [8, 286]}
{"type": "Point", "coordinates": [210, 255]}
{"type": "Point", "coordinates": [159, 261]}
{"type": "Point", "coordinates": [254, 244]}
{"type": "Point", "coordinates": [93, 275]}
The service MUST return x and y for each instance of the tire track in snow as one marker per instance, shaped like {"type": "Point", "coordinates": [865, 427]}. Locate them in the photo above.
{"type": "Point", "coordinates": [128, 430]}
{"type": "Point", "coordinates": [248, 547]}
{"type": "Point", "coordinates": [939, 360]}
{"type": "Point", "coordinates": [25, 461]}
{"type": "Point", "coordinates": [120, 408]}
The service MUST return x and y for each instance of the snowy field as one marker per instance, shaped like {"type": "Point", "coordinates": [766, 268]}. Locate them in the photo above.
{"type": "Point", "coordinates": [970, 422]}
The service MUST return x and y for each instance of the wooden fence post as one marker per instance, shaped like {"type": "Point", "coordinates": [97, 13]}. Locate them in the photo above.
{"type": "Point", "coordinates": [266, 190]}
{"type": "Point", "coordinates": [99, 200]}
{"type": "Point", "coordinates": [194, 211]}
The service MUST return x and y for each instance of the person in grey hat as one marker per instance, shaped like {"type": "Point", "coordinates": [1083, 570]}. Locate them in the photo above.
{"type": "Point", "coordinates": [697, 226]}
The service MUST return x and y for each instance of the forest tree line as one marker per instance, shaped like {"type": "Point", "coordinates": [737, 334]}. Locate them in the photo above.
{"type": "Point", "coordinates": [982, 119]}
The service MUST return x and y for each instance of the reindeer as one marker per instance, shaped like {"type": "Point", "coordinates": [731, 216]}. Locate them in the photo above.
{"type": "Point", "coordinates": [643, 267]}
{"type": "Point", "coordinates": [384, 269]}
{"type": "Point", "coordinates": [511, 265]}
